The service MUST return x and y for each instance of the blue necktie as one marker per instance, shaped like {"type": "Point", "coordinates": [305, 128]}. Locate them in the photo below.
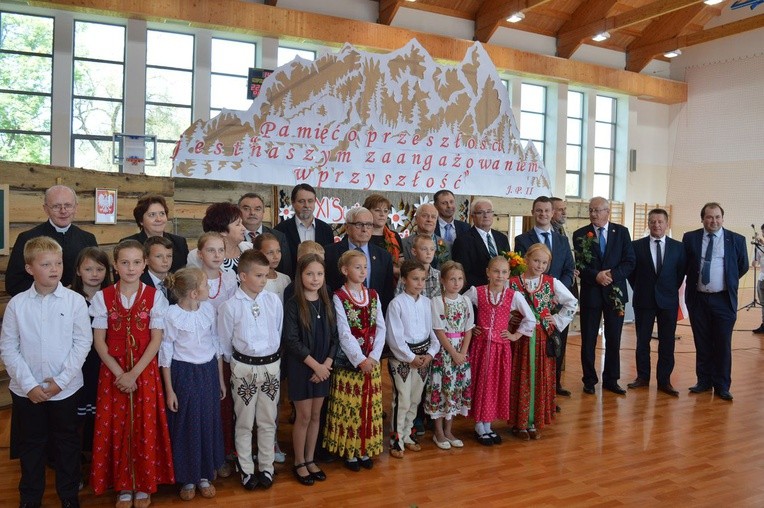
{"type": "Point", "coordinates": [705, 273]}
{"type": "Point", "coordinates": [547, 242]}
{"type": "Point", "coordinates": [449, 233]}
{"type": "Point", "coordinates": [602, 240]}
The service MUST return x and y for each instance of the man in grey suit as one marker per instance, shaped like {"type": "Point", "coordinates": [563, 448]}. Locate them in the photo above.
{"type": "Point", "coordinates": [656, 279]}
{"type": "Point", "coordinates": [252, 208]}
{"type": "Point", "coordinates": [562, 265]}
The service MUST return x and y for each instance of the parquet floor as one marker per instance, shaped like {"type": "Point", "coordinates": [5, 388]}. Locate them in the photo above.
{"type": "Point", "coordinates": [642, 449]}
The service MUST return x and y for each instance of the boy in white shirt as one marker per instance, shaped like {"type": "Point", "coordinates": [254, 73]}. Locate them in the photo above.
{"type": "Point", "coordinates": [413, 343]}
{"type": "Point", "coordinates": [45, 339]}
{"type": "Point", "coordinates": [249, 326]}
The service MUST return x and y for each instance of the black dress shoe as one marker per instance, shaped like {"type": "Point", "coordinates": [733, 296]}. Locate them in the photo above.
{"type": "Point", "coordinates": [305, 480]}
{"type": "Point", "coordinates": [71, 502]}
{"type": "Point", "coordinates": [366, 463]}
{"type": "Point", "coordinates": [563, 392]}
{"type": "Point", "coordinates": [29, 504]}
{"type": "Point", "coordinates": [589, 389]}
{"type": "Point", "coordinates": [249, 481]}
{"type": "Point", "coordinates": [495, 438]}
{"type": "Point", "coordinates": [319, 475]}
{"type": "Point", "coordinates": [668, 390]}
{"type": "Point", "coordinates": [615, 388]}
{"type": "Point", "coordinates": [354, 465]}
{"type": "Point", "coordinates": [265, 479]}
{"type": "Point", "coordinates": [724, 395]}
{"type": "Point", "coordinates": [699, 388]}
{"type": "Point", "coordinates": [484, 439]}
{"type": "Point", "coordinates": [638, 383]}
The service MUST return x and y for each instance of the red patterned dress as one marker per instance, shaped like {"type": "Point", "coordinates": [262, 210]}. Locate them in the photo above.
{"type": "Point", "coordinates": [131, 445]}
{"type": "Point", "coordinates": [354, 414]}
{"type": "Point", "coordinates": [533, 392]}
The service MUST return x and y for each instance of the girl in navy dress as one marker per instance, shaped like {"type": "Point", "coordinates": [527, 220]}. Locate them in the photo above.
{"type": "Point", "coordinates": [193, 378]}
{"type": "Point", "coordinates": [310, 340]}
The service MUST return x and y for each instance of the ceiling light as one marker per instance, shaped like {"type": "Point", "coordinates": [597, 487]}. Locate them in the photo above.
{"type": "Point", "coordinates": [713, 2]}
{"type": "Point", "coordinates": [412, 1]}
{"type": "Point", "coordinates": [516, 17]}
{"type": "Point", "coordinates": [602, 36]}
{"type": "Point", "coordinates": [673, 54]}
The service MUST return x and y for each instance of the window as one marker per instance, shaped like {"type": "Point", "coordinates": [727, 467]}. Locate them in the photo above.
{"type": "Point", "coordinates": [97, 94]}
{"type": "Point", "coordinates": [533, 116]}
{"type": "Point", "coordinates": [574, 144]}
{"type": "Point", "coordinates": [231, 61]}
{"type": "Point", "coordinates": [169, 87]}
{"type": "Point", "coordinates": [26, 78]}
{"type": "Point", "coordinates": [286, 55]}
{"type": "Point", "coordinates": [604, 146]}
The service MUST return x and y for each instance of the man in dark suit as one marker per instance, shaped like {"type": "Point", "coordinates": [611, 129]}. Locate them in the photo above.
{"type": "Point", "coordinates": [561, 267]}
{"type": "Point", "coordinates": [656, 279]}
{"type": "Point", "coordinates": [60, 206]}
{"type": "Point", "coordinates": [605, 258]}
{"type": "Point", "coordinates": [304, 226]}
{"type": "Point", "coordinates": [716, 260]}
{"type": "Point", "coordinates": [379, 276]}
{"type": "Point", "coordinates": [447, 227]}
{"type": "Point", "coordinates": [481, 243]}
{"type": "Point", "coordinates": [252, 209]}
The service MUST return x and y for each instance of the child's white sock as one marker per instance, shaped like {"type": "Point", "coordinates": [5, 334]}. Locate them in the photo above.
{"type": "Point", "coordinates": [479, 428]}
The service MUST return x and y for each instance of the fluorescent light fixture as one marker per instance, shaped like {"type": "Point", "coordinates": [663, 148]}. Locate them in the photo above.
{"type": "Point", "coordinates": [673, 54]}
{"type": "Point", "coordinates": [516, 17]}
{"type": "Point", "coordinates": [713, 2]}
{"type": "Point", "coordinates": [602, 36]}
{"type": "Point", "coordinates": [412, 1]}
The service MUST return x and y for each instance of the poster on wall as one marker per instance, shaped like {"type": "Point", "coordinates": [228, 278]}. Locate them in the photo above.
{"type": "Point", "coordinates": [374, 122]}
{"type": "Point", "coordinates": [255, 80]}
{"type": "Point", "coordinates": [106, 206]}
{"type": "Point", "coordinates": [4, 220]}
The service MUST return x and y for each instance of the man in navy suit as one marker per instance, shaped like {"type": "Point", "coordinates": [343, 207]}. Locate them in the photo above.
{"type": "Point", "coordinates": [562, 265]}
{"type": "Point", "coordinates": [447, 227]}
{"type": "Point", "coordinates": [656, 280]}
{"type": "Point", "coordinates": [716, 260]}
{"type": "Point", "coordinates": [481, 243]}
{"type": "Point", "coordinates": [379, 277]}
{"type": "Point", "coordinates": [605, 258]}
{"type": "Point", "coordinates": [304, 226]}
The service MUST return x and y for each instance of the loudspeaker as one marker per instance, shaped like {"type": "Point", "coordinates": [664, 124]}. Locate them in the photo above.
{"type": "Point", "coordinates": [632, 160]}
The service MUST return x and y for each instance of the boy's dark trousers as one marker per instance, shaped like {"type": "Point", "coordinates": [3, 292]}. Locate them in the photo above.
{"type": "Point", "coordinates": [56, 422]}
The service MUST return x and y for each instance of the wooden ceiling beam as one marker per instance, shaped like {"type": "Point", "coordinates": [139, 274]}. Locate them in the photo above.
{"type": "Point", "coordinates": [643, 55]}
{"type": "Point", "coordinates": [387, 11]}
{"type": "Point", "coordinates": [493, 13]}
{"type": "Point", "coordinates": [272, 3]}
{"type": "Point", "coordinates": [288, 25]}
{"type": "Point", "coordinates": [588, 12]}
{"type": "Point", "coordinates": [666, 27]}
{"type": "Point", "coordinates": [572, 37]}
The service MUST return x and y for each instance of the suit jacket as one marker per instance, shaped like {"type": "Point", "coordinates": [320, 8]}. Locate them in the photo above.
{"type": "Point", "coordinates": [296, 340]}
{"type": "Point", "coordinates": [735, 263]}
{"type": "Point", "coordinates": [17, 280]}
{"type": "Point", "coordinates": [179, 248]}
{"type": "Point", "coordinates": [470, 250]}
{"type": "Point", "coordinates": [146, 279]}
{"type": "Point", "coordinates": [324, 236]}
{"type": "Point", "coordinates": [657, 290]}
{"type": "Point", "coordinates": [381, 278]}
{"type": "Point", "coordinates": [460, 226]}
{"type": "Point", "coordinates": [562, 265]}
{"type": "Point", "coordinates": [619, 259]}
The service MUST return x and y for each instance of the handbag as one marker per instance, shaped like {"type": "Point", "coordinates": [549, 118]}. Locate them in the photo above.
{"type": "Point", "coordinates": [554, 344]}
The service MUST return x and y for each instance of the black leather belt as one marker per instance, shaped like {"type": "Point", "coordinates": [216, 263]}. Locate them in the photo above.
{"type": "Point", "coordinates": [255, 360]}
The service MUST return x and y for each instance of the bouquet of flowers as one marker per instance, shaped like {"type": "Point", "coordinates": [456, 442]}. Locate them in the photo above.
{"type": "Point", "coordinates": [517, 264]}
{"type": "Point", "coordinates": [584, 258]}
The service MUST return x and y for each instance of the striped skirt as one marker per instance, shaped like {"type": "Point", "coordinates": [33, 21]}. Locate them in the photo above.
{"type": "Point", "coordinates": [354, 415]}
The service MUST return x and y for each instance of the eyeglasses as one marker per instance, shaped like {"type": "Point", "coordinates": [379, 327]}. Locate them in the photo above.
{"type": "Point", "coordinates": [67, 207]}
{"type": "Point", "coordinates": [598, 210]}
{"type": "Point", "coordinates": [484, 213]}
{"type": "Point", "coordinates": [362, 225]}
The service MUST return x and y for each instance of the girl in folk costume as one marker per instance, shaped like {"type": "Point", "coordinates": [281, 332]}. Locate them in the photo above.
{"type": "Point", "coordinates": [354, 416]}
{"type": "Point", "coordinates": [192, 368]}
{"type": "Point", "coordinates": [310, 340]}
{"type": "Point", "coordinates": [131, 445]}
{"type": "Point", "coordinates": [448, 389]}
{"type": "Point", "coordinates": [222, 285]}
{"type": "Point", "coordinates": [533, 389]}
{"type": "Point", "coordinates": [490, 351]}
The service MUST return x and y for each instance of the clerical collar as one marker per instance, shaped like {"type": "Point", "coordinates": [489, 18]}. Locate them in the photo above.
{"type": "Point", "coordinates": [58, 229]}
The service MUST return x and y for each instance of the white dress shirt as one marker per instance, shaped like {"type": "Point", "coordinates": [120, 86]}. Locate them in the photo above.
{"type": "Point", "coordinates": [222, 288]}
{"type": "Point", "coordinates": [250, 326]}
{"type": "Point", "coordinates": [46, 336]}
{"type": "Point", "coordinates": [100, 313]}
{"type": "Point", "coordinates": [484, 235]}
{"type": "Point", "coordinates": [716, 282]}
{"type": "Point", "coordinates": [348, 342]}
{"type": "Point", "coordinates": [278, 285]}
{"type": "Point", "coordinates": [409, 321]}
{"type": "Point", "coordinates": [189, 336]}
{"type": "Point", "coordinates": [654, 249]}
{"type": "Point", "coordinates": [306, 233]}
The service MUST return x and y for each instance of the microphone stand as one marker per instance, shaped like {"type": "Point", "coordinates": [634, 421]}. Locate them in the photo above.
{"type": "Point", "coordinates": [756, 249]}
